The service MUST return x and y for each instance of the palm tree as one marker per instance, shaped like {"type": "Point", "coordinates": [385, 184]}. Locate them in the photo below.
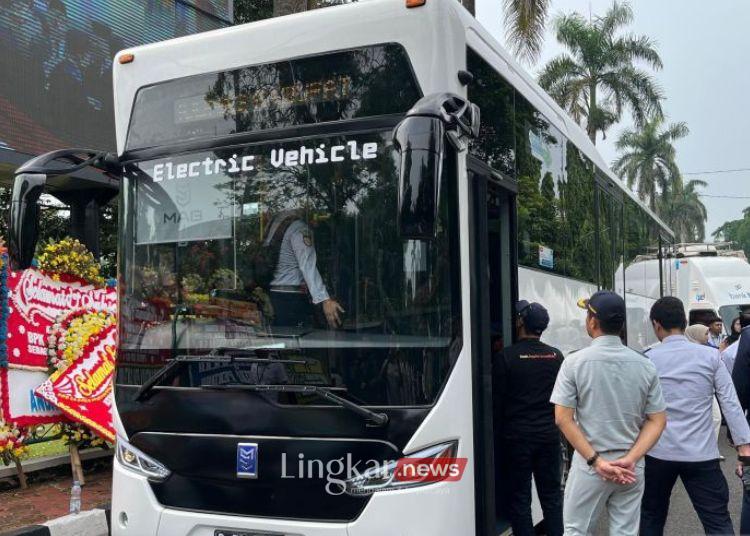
{"type": "Point", "coordinates": [524, 26]}
{"type": "Point", "coordinates": [684, 211]}
{"type": "Point", "coordinates": [597, 79]}
{"type": "Point", "coordinates": [647, 162]}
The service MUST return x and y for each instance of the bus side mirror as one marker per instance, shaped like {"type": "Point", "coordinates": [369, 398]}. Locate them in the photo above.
{"type": "Point", "coordinates": [23, 227]}
{"type": "Point", "coordinates": [419, 141]}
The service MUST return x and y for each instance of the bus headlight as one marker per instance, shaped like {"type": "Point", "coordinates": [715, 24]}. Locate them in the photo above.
{"type": "Point", "coordinates": [433, 464]}
{"type": "Point", "coordinates": [140, 463]}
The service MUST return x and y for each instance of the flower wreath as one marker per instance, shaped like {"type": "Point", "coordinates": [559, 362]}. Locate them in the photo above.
{"type": "Point", "coordinates": [69, 257]}
{"type": "Point", "coordinates": [74, 331]}
{"type": "Point", "coordinates": [71, 334]}
{"type": "Point", "coordinates": [12, 442]}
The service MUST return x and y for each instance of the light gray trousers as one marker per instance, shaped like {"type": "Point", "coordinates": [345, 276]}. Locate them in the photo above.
{"type": "Point", "coordinates": [587, 496]}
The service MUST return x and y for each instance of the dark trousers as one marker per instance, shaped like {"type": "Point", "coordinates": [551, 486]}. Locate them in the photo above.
{"type": "Point", "coordinates": [291, 309]}
{"type": "Point", "coordinates": [745, 515]}
{"type": "Point", "coordinates": [519, 460]}
{"type": "Point", "coordinates": [705, 485]}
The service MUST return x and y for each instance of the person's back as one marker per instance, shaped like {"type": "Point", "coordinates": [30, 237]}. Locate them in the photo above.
{"type": "Point", "coordinates": [687, 372]}
{"type": "Point", "coordinates": [531, 368]}
{"type": "Point", "coordinates": [690, 374]}
{"type": "Point", "coordinates": [609, 405]}
{"type": "Point", "coordinates": [613, 384]}
{"type": "Point", "coordinates": [526, 437]}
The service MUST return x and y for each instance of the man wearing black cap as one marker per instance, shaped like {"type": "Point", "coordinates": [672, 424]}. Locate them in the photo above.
{"type": "Point", "coordinates": [528, 440]}
{"type": "Point", "coordinates": [609, 405]}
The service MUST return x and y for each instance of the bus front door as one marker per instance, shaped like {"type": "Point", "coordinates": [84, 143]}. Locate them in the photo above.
{"type": "Point", "coordinates": [494, 291]}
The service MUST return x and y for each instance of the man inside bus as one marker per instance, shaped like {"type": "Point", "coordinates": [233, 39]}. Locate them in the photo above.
{"type": "Point", "coordinates": [296, 280]}
{"type": "Point", "coordinates": [528, 440]}
{"type": "Point", "coordinates": [609, 405]}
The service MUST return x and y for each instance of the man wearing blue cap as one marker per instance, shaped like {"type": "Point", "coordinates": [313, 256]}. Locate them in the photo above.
{"type": "Point", "coordinates": [609, 405]}
{"type": "Point", "coordinates": [528, 440]}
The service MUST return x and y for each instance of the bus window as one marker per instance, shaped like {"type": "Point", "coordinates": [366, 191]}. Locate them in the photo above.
{"type": "Point", "coordinates": [539, 160]}
{"type": "Point", "coordinates": [245, 259]}
{"type": "Point", "coordinates": [578, 194]}
{"type": "Point", "coordinates": [496, 142]}
{"type": "Point", "coordinates": [606, 242]}
{"type": "Point", "coordinates": [610, 241]}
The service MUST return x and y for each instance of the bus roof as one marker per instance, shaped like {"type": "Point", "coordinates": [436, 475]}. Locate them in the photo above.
{"type": "Point", "coordinates": [434, 36]}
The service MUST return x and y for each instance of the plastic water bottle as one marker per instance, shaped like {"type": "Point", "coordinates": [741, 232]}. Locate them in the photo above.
{"type": "Point", "coordinates": [75, 498]}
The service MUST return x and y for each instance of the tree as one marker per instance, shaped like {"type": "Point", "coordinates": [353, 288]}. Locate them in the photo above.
{"type": "Point", "coordinates": [647, 162]}
{"type": "Point", "coordinates": [682, 209]}
{"type": "Point", "coordinates": [252, 10]}
{"type": "Point", "coordinates": [597, 79]}
{"type": "Point", "coordinates": [524, 19]}
{"type": "Point", "coordinates": [524, 25]}
{"type": "Point", "coordinates": [737, 231]}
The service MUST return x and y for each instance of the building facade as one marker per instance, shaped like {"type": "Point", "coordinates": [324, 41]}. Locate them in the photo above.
{"type": "Point", "coordinates": [56, 66]}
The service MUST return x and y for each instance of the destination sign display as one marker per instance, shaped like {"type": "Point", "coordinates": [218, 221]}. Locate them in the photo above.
{"type": "Point", "coordinates": [260, 99]}
{"type": "Point", "coordinates": [363, 82]}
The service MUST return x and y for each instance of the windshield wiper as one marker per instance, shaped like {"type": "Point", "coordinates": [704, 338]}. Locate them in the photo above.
{"type": "Point", "coordinates": [175, 365]}
{"type": "Point", "coordinates": [373, 417]}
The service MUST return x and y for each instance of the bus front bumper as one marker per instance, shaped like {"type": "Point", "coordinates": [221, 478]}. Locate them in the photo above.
{"type": "Point", "coordinates": [136, 512]}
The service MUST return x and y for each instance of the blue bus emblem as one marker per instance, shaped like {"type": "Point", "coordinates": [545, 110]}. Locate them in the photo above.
{"type": "Point", "coordinates": [247, 460]}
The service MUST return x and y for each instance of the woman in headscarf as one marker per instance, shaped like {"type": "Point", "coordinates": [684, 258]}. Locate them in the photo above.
{"type": "Point", "coordinates": [698, 333]}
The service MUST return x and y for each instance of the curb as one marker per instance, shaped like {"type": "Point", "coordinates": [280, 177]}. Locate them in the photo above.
{"type": "Point", "coordinates": [87, 523]}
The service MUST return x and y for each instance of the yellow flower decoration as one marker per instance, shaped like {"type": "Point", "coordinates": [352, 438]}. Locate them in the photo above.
{"type": "Point", "coordinates": [69, 256]}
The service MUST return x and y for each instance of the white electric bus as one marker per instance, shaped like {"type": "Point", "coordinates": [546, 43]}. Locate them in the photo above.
{"type": "Point", "coordinates": [239, 409]}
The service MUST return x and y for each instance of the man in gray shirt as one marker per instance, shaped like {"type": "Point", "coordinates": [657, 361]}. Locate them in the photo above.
{"type": "Point", "coordinates": [609, 405]}
{"type": "Point", "coordinates": [690, 376]}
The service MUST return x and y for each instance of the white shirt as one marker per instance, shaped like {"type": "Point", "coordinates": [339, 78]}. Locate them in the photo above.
{"type": "Point", "coordinates": [690, 375]}
{"type": "Point", "coordinates": [715, 340]}
{"type": "Point", "coordinates": [730, 354]}
{"type": "Point", "coordinates": [298, 261]}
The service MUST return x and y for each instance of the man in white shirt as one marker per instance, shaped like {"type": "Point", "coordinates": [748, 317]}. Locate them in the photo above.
{"type": "Point", "coordinates": [690, 374]}
{"type": "Point", "coordinates": [296, 279]}
{"type": "Point", "coordinates": [715, 331]}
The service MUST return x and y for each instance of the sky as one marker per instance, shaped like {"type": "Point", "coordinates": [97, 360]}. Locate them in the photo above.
{"type": "Point", "coordinates": [706, 77]}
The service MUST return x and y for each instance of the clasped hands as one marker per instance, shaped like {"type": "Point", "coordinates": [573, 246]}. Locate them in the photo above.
{"type": "Point", "coordinates": [620, 471]}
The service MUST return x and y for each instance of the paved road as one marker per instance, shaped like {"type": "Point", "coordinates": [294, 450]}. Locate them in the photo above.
{"type": "Point", "coordinates": [682, 520]}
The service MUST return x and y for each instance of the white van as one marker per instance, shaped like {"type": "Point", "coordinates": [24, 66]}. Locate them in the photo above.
{"type": "Point", "coordinates": [711, 278]}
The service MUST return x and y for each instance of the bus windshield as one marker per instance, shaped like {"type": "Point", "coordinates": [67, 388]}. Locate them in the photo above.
{"type": "Point", "coordinates": [237, 249]}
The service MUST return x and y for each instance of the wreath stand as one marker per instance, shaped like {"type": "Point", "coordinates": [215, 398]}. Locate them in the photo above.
{"type": "Point", "coordinates": [21, 475]}
{"type": "Point", "coordinates": [75, 464]}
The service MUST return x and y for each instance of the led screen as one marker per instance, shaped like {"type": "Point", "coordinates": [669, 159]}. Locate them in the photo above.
{"type": "Point", "coordinates": [56, 63]}
{"type": "Point", "coordinates": [221, 9]}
